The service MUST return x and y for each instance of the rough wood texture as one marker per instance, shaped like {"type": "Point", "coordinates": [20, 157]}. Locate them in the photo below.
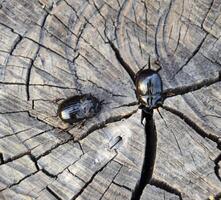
{"type": "Point", "coordinates": [53, 49]}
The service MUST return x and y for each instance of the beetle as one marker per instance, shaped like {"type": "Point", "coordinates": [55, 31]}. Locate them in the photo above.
{"type": "Point", "coordinates": [78, 108]}
{"type": "Point", "coordinates": [149, 90]}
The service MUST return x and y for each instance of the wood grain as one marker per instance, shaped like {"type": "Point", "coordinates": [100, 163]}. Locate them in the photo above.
{"type": "Point", "coordinates": [54, 49]}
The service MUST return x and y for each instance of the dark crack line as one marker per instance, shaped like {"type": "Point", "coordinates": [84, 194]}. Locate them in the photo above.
{"type": "Point", "coordinates": [19, 39]}
{"type": "Point", "coordinates": [17, 183]}
{"type": "Point", "coordinates": [35, 161]}
{"type": "Point", "coordinates": [194, 126]}
{"type": "Point", "coordinates": [13, 158]}
{"type": "Point", "coordinates": [127, 105]}
{"type": "Point", "coordinates": [53, 86]}
{"type": "Point", "coordinates": [80, 34]}
{"type": "Point", "coordinates": [28, 76]}
{"type": "Point", "coordinates": [119, 12]}
{"type": "Point", "coordinates": [11, 83]}
{"type": "Point", "coordinates": [178, 145]}
{"type": "Point", "coordinates": [53, 193]}
{"type": "Point", "coordinates": [122, 186]}
{"type": "Point", "coordinates": [193, 54]}
{"type": "Point", "coordinates": [165, 186]}
{"type": "Point", "coordinates": [49, 174]}
{"type": "Point", "coordinates": [190, 88]}
{"type": "Point", "coordinates": [13, 112]}
{"type": "Point", "coordinates": [149, 155]}
{"type": "Point", "coordinates": [217, 167]}
{"type": "Point", "coordinates": [98, 10]}
{"type": "Point", "coordinates": [41, 45]}
{"type": "Point", "coordinates": [55, 176]}
{"type": "Point", "coordinates": [104, 89]}
{"type": "Point", "coordinates": [104, 123]}
{"type": "Point", "coordinates": [207, 13]}
{"type": "Point", "coordinates": [54, 147]}
{"type": "Point", "coordinates": [57, 38]}
{"type": "Point", "coordinates": [1, 158]}
{"type": "Point", "coordinates": [111, 183]}
{"type": "Point", "coordinates": [114, 48]}
{"type": "Point", "coordinates": [76, 175]}
{"type": "Point", "coordinates": [42, 132]}
{"type": "Point", "coordinates": [16, 43]}
{"type": "Point", "coordinates": [92, 178]}
{"type": "Point", "coordinates": [156, 37]}
{"type": "Point", "coordinates": [122, 62]}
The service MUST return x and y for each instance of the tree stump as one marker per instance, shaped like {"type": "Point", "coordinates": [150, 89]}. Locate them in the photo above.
{"type": "Point", "coordinates": [54, 49]}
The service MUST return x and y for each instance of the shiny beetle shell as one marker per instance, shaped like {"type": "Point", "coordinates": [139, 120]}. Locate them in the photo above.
{"type": "Point", "coordinates": [149, 89]}
{"type": "Point", "coordinates": [78, 108]}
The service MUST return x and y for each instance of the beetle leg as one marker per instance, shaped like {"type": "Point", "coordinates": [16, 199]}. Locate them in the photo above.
{"type": "Point", "coordinates": [81, 124]}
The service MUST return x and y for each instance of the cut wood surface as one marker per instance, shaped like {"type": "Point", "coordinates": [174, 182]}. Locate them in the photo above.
{"type": "Point", "coordinates": [54, 49]}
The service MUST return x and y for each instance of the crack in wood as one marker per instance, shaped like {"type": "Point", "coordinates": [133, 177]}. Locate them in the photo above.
{"type": "Point", "coordinates": [13, 158]}
{"type": "Point", "coordinates": [17, 183]}
{"type": "Point", "coordinates": [104, 89]}
{"type": "Point", "coordinates": [102, 124]}
{"type": "Point", "coordinates": [53, 193]}
{"type": "Point", "coordinates": [40, 44]}
{"type": "Point", "coordinates": [49, 174]}
{"type": "Point", "coordinates": [156, 38]}
{"type": "Point", "coordinates": [92, 178]}
{"type": "Point", "coordinates": [127, 105]}
{"type": "Point", "coordinates": [194, 126]}
{"type": "Point", "coordinates": [192, 55]}
{"type": "Point", "coordinates": [190, 88]}
{"type": "Point", "coordinates": [111, 182]}
{"type": "Point", "coordinates": [207, 13]}
{"type": "Point", "coordinates": [149, 156]}
{"type": "Point", "coordinates": [217, 162]}
{"type": "Point", "coordinates": [122, 186]}
{"type": "Point", "coordinates": [53, 86]}
{"type": "Point", "coordinates": [165, 186]}
{"type": "Point", "coordinates": [120, 59]}
{"type": "Point", "coordinates": [31, 174]}
{"type": "Point", "coordinates": [28, 75]}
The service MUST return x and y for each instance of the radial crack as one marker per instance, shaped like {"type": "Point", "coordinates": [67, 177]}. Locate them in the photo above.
{"type": "Point", "coordinates": [53, 193]}
{"type": "Point", "coordinates": [149, 157]}
{"type": "Point", "coordinates": [92, 178]}
{"type": "Point", "coordinates": [28, 76]}
{"type": "Point", "coordinates": [190, 88]}
{"type": "Point", "coordinates": [217, 162]}
{"type": "Point", "coordinates": [192, 55]}
{"type": "Point", "coordinates": [102, 124]}
{"type": "Point", "coordinates": [122, 62]}
{"type": "Point", "coordinates": [165, 186]}
{"type": "Point", "coordinates": [194, 126]}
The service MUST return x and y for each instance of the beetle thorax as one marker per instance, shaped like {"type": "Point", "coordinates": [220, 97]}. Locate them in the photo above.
{"type": "Point", "coordinates": [149, 89]}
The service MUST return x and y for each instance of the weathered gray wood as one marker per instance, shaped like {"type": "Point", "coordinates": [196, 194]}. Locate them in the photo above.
{"type": "Point", "coordinates": [54, 49]}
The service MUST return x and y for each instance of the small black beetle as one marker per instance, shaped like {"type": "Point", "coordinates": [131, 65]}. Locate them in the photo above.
{"type": "Point", "coordinates": [77, 108]}
{"type": "Point", "coordinates": [149, 90]}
